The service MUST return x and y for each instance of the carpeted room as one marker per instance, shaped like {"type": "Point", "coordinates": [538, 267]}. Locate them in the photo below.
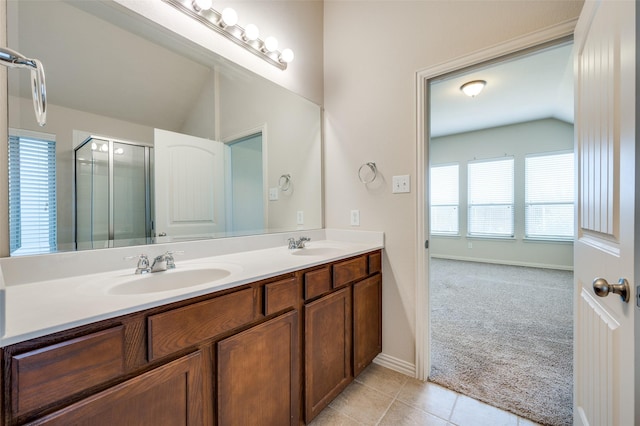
{"type": "Point", "coordinates": [504, 335]}
{"type": "Point", "coordinates": [501, 252]}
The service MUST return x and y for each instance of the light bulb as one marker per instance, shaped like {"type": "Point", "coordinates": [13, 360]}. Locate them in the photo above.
{"type": "Point", "coordinates": [286, 56]}
{"type": "Point", "coordinates": [94, 146]}
{"type": "Point", "coordinates": [251, 32]}
{"type": "Point", "coordinates": [271, 44]}
{"type": "Point", "coordinates": [104, 147]}
{"type": "Point", "coordinates": [199, 5]}
{"type": "Point", "coordinates": [473, 88]}
{"type": "Point", "coordinates": [229, 17]}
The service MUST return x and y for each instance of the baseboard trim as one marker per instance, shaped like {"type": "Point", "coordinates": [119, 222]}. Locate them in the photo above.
{"type": "Point", "coordinates": [395, 364]}
{"type": "Point", "coordinates": [505, 262]}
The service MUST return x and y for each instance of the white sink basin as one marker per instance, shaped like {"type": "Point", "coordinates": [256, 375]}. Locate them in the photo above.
{"type": "Point", "coordinates": [168, 280]}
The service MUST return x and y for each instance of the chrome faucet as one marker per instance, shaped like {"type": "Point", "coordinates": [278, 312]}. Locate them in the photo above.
{"type": "Point", "coordinates": [160, 263]}
{"type": "Point", "coordinates": [143, 263]}
{"type": "Point", "coordinates": [163, 262]}
{"type": "Point", "coordinates": [299, 244]}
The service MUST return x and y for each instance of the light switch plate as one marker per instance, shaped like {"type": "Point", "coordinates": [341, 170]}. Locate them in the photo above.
{"type": "Point", "coordinates": [401, 184]}
{"type": "Point", "coordinates": [273, 194]}
{"type": "Point", "coordinates": [355, 218]}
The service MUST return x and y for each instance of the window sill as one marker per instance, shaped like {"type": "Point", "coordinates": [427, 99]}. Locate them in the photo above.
{"type": "Point", "coordinates": [548, 240]}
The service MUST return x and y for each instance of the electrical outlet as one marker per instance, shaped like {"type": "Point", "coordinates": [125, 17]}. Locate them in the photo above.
{"type": "Point", "coordinates": [300, 217]}
{"type": "Point", "coordinates": [273, 194]}
{"type": "Point", "coordinates": [469, 245]}
{"type": "Point", "coordinates": [355, 217]}
{"type": "Point", "coordinates": [401, 184]}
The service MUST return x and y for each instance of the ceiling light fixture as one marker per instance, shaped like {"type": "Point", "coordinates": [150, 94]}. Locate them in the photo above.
{"type": "Point", "coordinates": [226, 24]}
{"type": "Point", "coordinates": [473, 88]}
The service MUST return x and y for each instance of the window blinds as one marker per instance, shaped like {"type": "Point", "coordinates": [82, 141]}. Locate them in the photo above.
{"type": "Point", "coordinates": [549, 196]}
{"type": "Point", "coordinates": [32, 196]}
{"type": "Point", "coordinates": [445, 198]}
{"type": "Point", "coordinates": [491, 198]}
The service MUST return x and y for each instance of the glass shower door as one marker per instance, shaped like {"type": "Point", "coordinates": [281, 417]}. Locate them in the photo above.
{"type": "Point", "coordinates": [129, 195]}
{"type": "Point", "coordinates": [92, 195]}
{"type": "Point", "coordinates": [113, 194]}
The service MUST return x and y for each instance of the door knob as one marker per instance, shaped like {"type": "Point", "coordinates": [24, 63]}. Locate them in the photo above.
{"type": "Point", "coordinates": [602, 288]}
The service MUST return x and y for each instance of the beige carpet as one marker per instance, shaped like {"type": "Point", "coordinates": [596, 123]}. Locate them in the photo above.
{"type": "Point", "coordinates": [504, 335]}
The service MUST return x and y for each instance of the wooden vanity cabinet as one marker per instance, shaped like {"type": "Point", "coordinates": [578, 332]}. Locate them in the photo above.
{"type": "Point", "coordinates": [327, 350]}
{"type": "Point", "coordinates": [269, 352]}
{"type": "Point", "coordinates": [167, 395]}
{"type": "Point", "coordinates": [343, 329]}
{"type": "Point", "coordinates": [367, 322]}
{"type": "Point", "coordinates": [258, 374]}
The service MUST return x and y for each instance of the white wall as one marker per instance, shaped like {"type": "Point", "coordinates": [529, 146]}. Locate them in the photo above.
{"type": "Point", "coordinates": [372, 51]}
{"type": "Point", "coordinates": [292, 146]}
{"type": "Point", "coordinates": [517, 140]}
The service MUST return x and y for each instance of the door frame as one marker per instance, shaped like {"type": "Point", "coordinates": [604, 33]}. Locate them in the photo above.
{"type": "Point", "coordinates": [531, 40]}
{"type": "Point", "coordinates": [262, 130]}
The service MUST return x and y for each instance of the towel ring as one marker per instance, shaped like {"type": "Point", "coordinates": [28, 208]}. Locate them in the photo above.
{"type": "Point", "coordinates": [284, 183]}
{"type": "Point", "coordinates": [371, 166]}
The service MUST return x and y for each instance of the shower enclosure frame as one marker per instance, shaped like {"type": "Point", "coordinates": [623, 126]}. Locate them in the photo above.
{"type": "Point", "coordinates": [148, 191]}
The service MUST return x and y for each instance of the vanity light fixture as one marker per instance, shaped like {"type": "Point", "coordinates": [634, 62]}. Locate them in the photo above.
{"type": "Point", "coordinates": [473, 88]}
{"type": "Point", "coordinates": [270, 44]}
{"type": "Point", "coordinates": [286, 55]}
{"type": "Point", "coordinates": [199, 5]}
{"type": "Point", "coordinates": [226, 24]}
{"type": "Point", "coordinates": [251, 33]}
{"type": "Point", "coordinates": [228, 18]}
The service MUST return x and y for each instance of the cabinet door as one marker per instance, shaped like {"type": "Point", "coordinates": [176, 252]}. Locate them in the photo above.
{"type": "Point", "coordinates": [367, 322]}
{"type": "Point", "coordinates": [168, 395]}
{"type": "Point", "coordinates": [327, 350]}
{"type": "Point", "coordinates": [258, 374]}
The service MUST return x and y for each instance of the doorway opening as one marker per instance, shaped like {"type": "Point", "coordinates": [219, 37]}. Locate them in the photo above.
{"type": "Point", "coordinates": [245, 186]}
{"type": "Point", "coordinates": [500, 176]}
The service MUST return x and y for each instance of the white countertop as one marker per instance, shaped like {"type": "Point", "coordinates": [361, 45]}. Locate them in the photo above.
{"type": "Point", "coordinates": [46, 306]}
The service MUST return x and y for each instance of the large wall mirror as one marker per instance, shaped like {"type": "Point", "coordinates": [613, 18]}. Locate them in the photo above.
{"type": "Point", "coordinates": [151, 138]}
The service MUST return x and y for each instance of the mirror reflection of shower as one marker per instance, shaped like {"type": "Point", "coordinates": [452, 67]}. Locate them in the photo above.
{"type": "Point", "coordinates": [113, 193]}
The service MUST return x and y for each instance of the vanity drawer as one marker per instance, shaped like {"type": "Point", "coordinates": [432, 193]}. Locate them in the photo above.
{"type": "Point", "coordinates": [49, 374]}
{"type": "Point", "coordinates": [317, 282]}
{"type": "Point", "coordinates": [375, 263]}
{"type": "Point", "coordinates": [280, 295]}
{"type": "Point", "coordinates": [180, 328]}
{"type": "Point", "coordinates": [349, 271]}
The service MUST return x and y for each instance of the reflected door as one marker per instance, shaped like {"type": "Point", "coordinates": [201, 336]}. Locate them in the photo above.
{"type": "Point", "coordinates": [189, 187]}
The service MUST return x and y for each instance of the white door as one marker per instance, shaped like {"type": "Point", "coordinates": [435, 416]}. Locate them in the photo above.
{"type": "Point", "coordinates": [189, 186]}
{"type": "Point", "coordinates": [605, 137]}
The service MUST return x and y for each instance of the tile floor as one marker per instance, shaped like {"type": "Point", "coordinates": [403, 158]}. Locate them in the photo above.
{"type": "Point", "coordinates": [379, 396]}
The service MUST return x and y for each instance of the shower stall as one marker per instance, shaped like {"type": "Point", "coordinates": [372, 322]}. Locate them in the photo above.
{"type": "Point", "coordinates": [113, 193]}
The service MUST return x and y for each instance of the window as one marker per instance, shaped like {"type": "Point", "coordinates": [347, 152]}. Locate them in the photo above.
{"type": "Point", "coordinates": [549, 192]}
{"type": "Point", "coordinates": [444, 190]}
{"type": "Point", "coordinates": [32, 195]}
{"type": "Point", "coordinates": [491, 198]}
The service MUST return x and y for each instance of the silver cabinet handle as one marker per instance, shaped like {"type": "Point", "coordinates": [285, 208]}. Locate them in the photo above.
{"type": "Point", "coordinates": [602, 288]}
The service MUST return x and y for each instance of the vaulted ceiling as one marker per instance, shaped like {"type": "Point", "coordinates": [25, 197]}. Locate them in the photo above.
{"type": "Point", "coordinates": [530, 87]}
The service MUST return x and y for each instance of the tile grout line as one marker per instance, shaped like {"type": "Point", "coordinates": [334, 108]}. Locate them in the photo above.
{"type": "Point", "coordinates": [453, 408]}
